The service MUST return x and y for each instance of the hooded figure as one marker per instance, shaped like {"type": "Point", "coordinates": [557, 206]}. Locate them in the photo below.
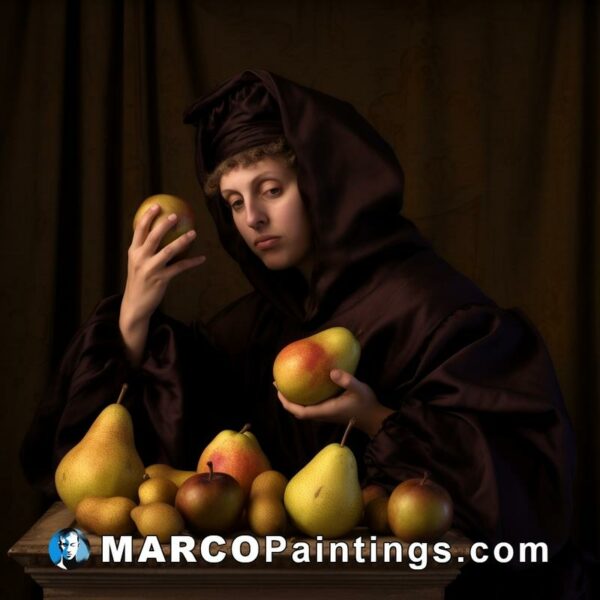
{"type": "Point", "coordinates": [470, 387]}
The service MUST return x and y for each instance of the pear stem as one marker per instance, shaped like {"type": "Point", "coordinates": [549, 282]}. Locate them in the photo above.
{"type": "Point", "coordinates": [122, 393]}
{"type": "Point", "coordinates": [350, 426]}
{"type": "Point", "coordinates": [210, 468]}
{"type": "Point", "coordinates": [245, 428]}
{"type": "Point", "coordinates": [425, 476]}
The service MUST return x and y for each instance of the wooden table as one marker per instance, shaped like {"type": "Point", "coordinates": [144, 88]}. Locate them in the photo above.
{"type": "Point", "coordinates": [282, 579]}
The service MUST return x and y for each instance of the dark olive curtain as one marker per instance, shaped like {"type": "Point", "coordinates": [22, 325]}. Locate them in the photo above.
{"type": "Point", "coordinates": [492, 107]}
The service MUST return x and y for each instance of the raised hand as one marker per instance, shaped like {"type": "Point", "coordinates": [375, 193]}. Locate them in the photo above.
{"type": "Point", "coordinates": [149, 272]}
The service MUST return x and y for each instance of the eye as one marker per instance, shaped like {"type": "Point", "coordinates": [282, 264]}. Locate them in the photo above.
{"type": "Point", "coordinates": [236, 205]}
{"type": "Point", "coordinates": [273, 192]}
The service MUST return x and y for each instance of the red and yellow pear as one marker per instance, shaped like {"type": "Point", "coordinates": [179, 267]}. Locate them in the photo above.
{"type": "Point", "coordinates": [236, 453]}
{"type": "Point", "coordinates": [302, 369]}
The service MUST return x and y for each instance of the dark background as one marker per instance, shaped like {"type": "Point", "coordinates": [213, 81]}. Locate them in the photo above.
{"type": "Point", "coordinates": [492, 108]}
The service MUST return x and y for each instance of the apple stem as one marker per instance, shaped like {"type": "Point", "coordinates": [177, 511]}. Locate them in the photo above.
{"type": "Point", "coordinates": [122, 393]}
{"type": "Point", "coordinates": [350, 426]}
{"type": "Point", "coordinates": [425, 476]}
{"type": "Point", "coordinates": [245, 428]}
{"type": "Point", "coordinates": [210, 468]}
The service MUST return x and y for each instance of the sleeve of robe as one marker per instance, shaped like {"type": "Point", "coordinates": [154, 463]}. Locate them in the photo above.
{"type": "Point", "coordinates": [483, 414]}
{"type": "Point", "coordinates": [181, 373]}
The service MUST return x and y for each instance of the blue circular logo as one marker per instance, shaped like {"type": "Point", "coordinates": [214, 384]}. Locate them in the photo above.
{"type": "Point", "coordinates": [69, 549]}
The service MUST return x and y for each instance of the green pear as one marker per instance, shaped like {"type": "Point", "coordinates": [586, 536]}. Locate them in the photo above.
{"type": "Point", "coordinates": [302, 369]}
{"type": "Point", "coordinates": [324, 498]}
{"type": "Point", "coordinates": [236, 453]}
{"type": "Point", "coordinates": [104, 463]}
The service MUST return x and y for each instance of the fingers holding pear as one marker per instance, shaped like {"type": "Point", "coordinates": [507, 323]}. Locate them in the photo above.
{"type": "Point", "coordinates": [173, 218]}
{"type": "Point", "coordinates": [302, 370]}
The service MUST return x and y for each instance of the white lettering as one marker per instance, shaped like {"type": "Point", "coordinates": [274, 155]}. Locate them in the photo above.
{"type": "Point", "coordinates": [417, 552]}
{"type": "Point", "coordinates": [151, 548]}
{"type": "Point", "coordinates": [475, 556]}
{"type": "Point", "coordinates": [205, 549]}
{"type": "Point", "coordinates": [498, 552]}
{"type": "Point", "coordinates": [441, 552]}
{"type": "Point", "coordinates": [123, 552]}
{"type": "Point", "coordinates": [387, 549]}
{"type": "Point", "coordinates": [532, 556]}
{"type": "Point", "coordinates": [333, 547]}
{"type": "Point", "coordinates": [236, 549]}
{"type": "Point", "coordinates": [301, 552]}
{"type": "Point", "coordinates": [359, 546]}
{"type": "Point", "coordinates": [270, 549]}
{"type": "Point", "coordinates": [182, 545]}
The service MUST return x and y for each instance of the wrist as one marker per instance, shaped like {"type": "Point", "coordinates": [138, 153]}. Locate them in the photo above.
{"type": "Point", "coordinates": [375, 418]}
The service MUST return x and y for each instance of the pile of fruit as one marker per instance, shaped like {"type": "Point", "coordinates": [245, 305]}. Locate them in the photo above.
{"type": "Point", "coordinates": [103, 480]}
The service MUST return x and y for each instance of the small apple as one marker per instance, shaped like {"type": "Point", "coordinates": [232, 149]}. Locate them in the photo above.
{"type": "Point", "coordinates": [376, 516]}
{"type": "Point", "coordinates": [419, 510]}
{"type": "Point", "coordinates": [168, 205]}
{"type": "Point", "coordinates": [372, 491]}
{"type": "Point", "coordinates": [210, 502]}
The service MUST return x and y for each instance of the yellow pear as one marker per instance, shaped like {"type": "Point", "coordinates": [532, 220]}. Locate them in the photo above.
{"type": "Point", "coordinates": [106, 516]}
{"type": "Point", "coordinates": [324, 498]}
{"type": "Point", "coordinates": [266, 513]}
{"type": "Point", "coordinates": [159, 519]}
{"type": "Point", "coordinates": [175, 475]}
{"type": "Point", "coordinates": [104, 463]}
{"type": "Point", "coordinates": [157, 489]}
{"type": "Point", "coordinates": [168, 204]}
{"type": "Point", "coordinates": [302, 369]}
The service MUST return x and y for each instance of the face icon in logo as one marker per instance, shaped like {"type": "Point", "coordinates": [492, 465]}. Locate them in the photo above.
{"type": "Point", "coordinates": [68, 549]}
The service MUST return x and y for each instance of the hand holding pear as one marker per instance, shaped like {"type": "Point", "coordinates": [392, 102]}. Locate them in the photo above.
{"type": "Point", "coordinates": [302, 369]}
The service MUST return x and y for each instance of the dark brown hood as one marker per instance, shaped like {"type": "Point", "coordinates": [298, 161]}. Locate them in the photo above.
{"type": "Point", "coordinates": [349, 179]}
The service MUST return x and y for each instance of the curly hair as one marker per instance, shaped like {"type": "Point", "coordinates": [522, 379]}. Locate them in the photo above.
{"type": "Point", "coordinates": [277, 148]}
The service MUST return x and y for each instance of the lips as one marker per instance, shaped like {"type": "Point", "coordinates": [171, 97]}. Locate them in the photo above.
{"type": "Point", "coordinates": [263, 243]}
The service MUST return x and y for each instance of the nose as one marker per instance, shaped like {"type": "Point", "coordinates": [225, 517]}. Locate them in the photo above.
{"type": "Point", "coordinates": [256, 216]}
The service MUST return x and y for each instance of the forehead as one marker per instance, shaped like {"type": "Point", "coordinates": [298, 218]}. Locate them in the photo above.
{"type": "Point", "coordinates": [243, 176]}
{"type": "Point", "coordinates": [70, 537]}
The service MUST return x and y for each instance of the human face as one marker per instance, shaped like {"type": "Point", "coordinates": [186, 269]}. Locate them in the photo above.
{"type": "Point", "coordinates": [268, 212]}
{"type": "Point", "coordinates": [69, 545]}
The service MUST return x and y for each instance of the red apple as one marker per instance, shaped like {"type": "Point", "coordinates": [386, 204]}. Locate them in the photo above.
{"type": "Point", "coordinates": [210, 502]}
{"type": "Point", "coordinates": [419, 510]}
{"type": "Point", "coordinates": [168, 205]}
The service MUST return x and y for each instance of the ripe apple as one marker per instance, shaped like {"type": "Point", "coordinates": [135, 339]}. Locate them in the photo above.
{"type": "Point", "coordinates": [210, 502]}
{"type": "Point", "coordinates": [419, 510]}
{"type": "Point", "coordinates": [168, 205]}
{"type": "Point", "coordinates": [372, 491]}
